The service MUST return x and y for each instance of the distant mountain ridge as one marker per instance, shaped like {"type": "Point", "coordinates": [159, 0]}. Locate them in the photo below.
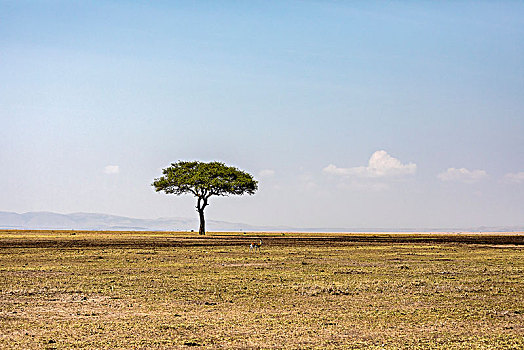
{"type": "Point", "coordinates": [103, 222]}
{"type": "Point", "coordinates": [106, 222]}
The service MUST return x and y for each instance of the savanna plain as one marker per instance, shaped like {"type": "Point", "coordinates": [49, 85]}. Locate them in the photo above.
{"type": "Point", "coordinates": [169, 290]}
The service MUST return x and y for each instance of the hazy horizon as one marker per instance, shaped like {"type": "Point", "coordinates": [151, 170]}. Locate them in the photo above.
{"type": "Point", "coordinates": [107, 222]}
{"type": "Point", "coordinates": [349, 114]}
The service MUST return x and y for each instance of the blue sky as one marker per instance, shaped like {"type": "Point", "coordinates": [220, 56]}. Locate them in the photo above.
{"type": "Point", "coordinates": [354, 114]}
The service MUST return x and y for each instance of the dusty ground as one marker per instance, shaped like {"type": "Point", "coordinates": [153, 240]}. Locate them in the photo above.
{"type": "Point", "coordinates": [96, 290]}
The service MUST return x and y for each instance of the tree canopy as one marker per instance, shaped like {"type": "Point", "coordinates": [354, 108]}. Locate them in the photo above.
{"type": "Point", "coordinates": [204, 180]}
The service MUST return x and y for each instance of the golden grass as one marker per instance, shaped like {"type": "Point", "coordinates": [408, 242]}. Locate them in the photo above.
{"type": "Point", "coordinates": [118, 290]}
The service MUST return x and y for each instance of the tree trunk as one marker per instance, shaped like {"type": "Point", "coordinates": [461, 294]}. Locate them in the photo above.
{"type": "Point", "coordinates": [202, 230]}
{"type": "Point", "coordinates": [201, 205]}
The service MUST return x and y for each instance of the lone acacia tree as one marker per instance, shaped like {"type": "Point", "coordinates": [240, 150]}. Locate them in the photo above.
{"type": "Point", "coordinates": [204, 180]}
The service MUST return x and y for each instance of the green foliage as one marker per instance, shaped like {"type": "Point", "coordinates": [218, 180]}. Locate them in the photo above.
{"type": "Point", "coordinates": [204, 180]}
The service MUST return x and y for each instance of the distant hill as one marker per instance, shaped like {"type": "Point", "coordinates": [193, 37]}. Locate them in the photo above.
{"type": "Point", "coordinates": [101, 222]}
{"type": "Point", "coordinates": [104, 222]}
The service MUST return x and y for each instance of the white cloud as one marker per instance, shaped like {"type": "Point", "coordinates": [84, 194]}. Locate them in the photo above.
{"type": "Point", "coordinates": [516, 178]}
{"type": "Point", "coordinates": [462, 175]}
{"type": "Point", "coordinates": [266, 173]}
{"type": "Point", "coordinates": [112, 169]}
{"type": "Point", "coordinates": [381, 164]}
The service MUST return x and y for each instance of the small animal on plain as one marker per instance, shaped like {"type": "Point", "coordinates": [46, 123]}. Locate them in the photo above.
{"type": "Point", "coordinates": [254, 246]}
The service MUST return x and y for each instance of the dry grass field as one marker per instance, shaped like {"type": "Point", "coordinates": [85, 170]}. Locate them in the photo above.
{"type": "Point", "coordinates": [140, 290]}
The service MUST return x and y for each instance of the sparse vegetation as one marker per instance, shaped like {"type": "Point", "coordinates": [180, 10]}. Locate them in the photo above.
{"type": "Point", "coordinates": [175, 290]}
